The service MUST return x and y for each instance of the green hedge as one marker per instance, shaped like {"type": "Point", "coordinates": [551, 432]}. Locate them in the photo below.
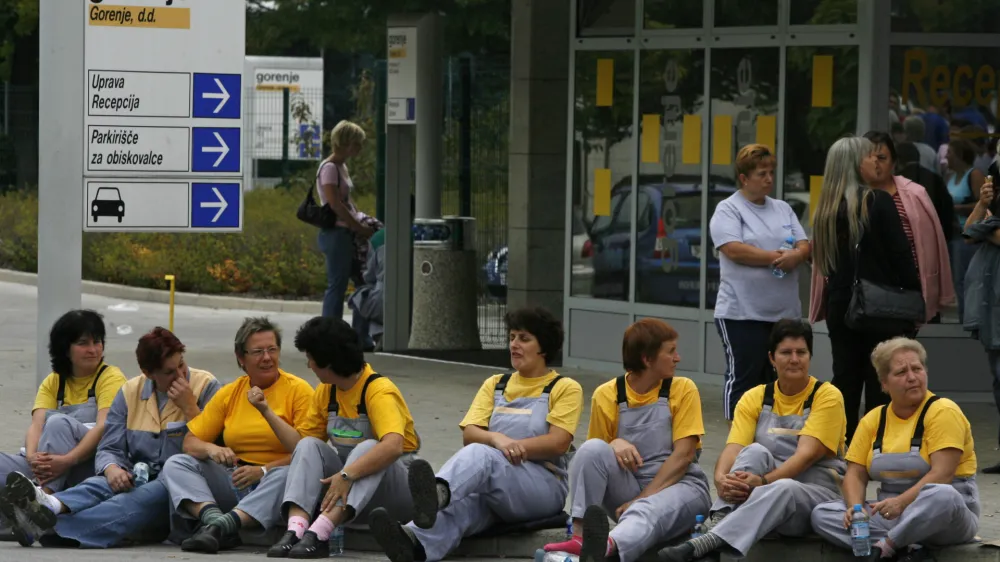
{"type": "Point", "coordinates": [276, 255]}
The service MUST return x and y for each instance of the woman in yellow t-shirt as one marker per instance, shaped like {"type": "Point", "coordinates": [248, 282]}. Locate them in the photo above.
{"type": "Point", "coordinates": [783, 457]}
{"type": "Point", "coordinates": [920, 449]}
{"type": "Point", "coordinates": [232, 473]}
{"type": "Point", "coordinates": [640, 461]}
{"type": "Point", "coordinates": [513, 466]}
{"type": "Point", "coordinates": [67, 420]}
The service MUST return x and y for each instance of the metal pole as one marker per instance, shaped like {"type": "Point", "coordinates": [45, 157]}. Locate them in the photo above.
{"type": "Point", "coordinates": [6, 108]}
{"type": "Point", "coordinates": [380, 136]}
{"type": "Point", "coordinates": [172, 280]}
{"type": "Point", "coordinates": [430, 52]}
{"type": "Point", "coordinates": [465, 139]}
{"type": "Point", "coordinates": [60, 137]}
{"type": "Point", "coordinates": [285, 110]}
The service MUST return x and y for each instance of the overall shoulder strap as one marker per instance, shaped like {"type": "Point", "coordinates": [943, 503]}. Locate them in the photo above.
{"type": "Point", "coordinates": [93, 387]}
{"type": "Point", "coordinates": [502, 383]}
{"type": "Point", "coordinates": [548, 388]}
{"type": "Point", "coordinates": [61, 393]}
{"type": "Point", "coordinates": [880, 434]}
{"type": "Point", "coordinates": [332, 407]}
{"type": "Point", "coordinates": [665, 388]}
{"type": "Point", "coordinates": [362, 404]}
{"type": "Point", "coordinates": [809, 401]}
{"type": "Point", "coordinates": [769, 395]}
{"type": "Point", "coordinates": [918, 430]}
{"type": "Point", "coordinates": [622, 395]}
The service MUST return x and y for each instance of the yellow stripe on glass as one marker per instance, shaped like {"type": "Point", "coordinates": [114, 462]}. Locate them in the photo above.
{"type": "Point", "coordinates": [602, 192]}
{"type": "Point", "coordinates": [605, 82]}
{"type": "Point", "coordinates": [722, 140]}
{"type": "Point", "coordinates": [767, 131]}
{"type": "Point", "coordinates": [649, 152]}
{"type": "Point", "coordinates": [822, 86]}
{"type": "Point", "coordinates": [815, 188]}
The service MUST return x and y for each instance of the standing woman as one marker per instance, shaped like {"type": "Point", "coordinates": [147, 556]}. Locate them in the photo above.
{"type": "Point", "coordinates": [964, 183]}
{"type": "Point", "coordinates": [858, 234]}
{"type": "Point", "coordinates": [748, 229]}
{"type": "Point", "coordinates": [334, 186]}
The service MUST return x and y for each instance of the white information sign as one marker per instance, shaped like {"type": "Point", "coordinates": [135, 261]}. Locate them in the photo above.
{"type": "Point", "coordinates": [401, 99]}
{"type": "Point", "coordinates": [305, 112]}
{"type": "Point", "coordinates": [163, 115]}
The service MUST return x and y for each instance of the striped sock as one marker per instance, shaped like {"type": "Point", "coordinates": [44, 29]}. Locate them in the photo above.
{"type": "Point", "coordinates": [209, 513]}
{"type": "Point", "coordinates": [706, 544]}
{"type": "Point", "coordinates": [229, 523]}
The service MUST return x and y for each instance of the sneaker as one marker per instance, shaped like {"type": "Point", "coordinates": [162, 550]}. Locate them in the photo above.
{"type": "Point", "coordinates": [394, 539]}
{"type": "Point", "coordinates": [424, 489]}
{"type": "Point", "coordinates": [595, 535]}
{"type": "Point", "coordinates": [24, 509]}
{"type": "Point", "coordinates": [281, 548]}
{"type": "Point", "coordinates": [310, 548]}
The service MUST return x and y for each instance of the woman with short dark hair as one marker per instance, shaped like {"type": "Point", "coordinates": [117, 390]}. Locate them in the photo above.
{"type": "Point", "coordinates": [513, 466]}
{"type": "Point", "coordinates": [68, 417]}
{"type": "Point", "coordinates": [640, 461]}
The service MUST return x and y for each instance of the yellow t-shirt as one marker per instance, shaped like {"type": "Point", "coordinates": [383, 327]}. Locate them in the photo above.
{"type": "Point", "coordinates": [243, 429]}
{"type": "Point", "coordinates": [826, 422]}
{"type": "Point", "coordinates": [77, 388]}
{"type": "Point", "coordinates": [685, 408]}
{"type": "Point", "coordinates": [565, 401]}
{"type": "Point", "coordinates": [387, 410]}
{"type": "Point", "coordinates": [945, 427]}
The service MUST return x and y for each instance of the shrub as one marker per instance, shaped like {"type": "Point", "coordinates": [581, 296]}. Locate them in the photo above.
{"type": "Point", "coordinates": [276, 255]}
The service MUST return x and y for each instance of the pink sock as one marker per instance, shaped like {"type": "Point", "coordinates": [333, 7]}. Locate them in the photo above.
{"type": "Point", "coordinates": [611, 546]}
{"type": "Point", "coordinates": [298, 525]}
{"type": "Point", "coordinates": [571, 546]}
{"type": "Point", "coordinates": [323, 528]}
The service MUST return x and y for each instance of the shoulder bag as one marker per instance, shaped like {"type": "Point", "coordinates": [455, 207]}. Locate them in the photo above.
{"type": "Point", "coordinates": [880, 307]}
{"type": "Point", "coordinates": [321, 216]}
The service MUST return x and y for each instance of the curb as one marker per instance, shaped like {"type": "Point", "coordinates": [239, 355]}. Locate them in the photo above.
{"type": "Point", "coordinates": [188, 299]}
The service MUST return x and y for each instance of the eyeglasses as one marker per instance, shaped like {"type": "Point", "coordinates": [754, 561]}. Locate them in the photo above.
{"type": "Point", "coordinates": [258, 353]}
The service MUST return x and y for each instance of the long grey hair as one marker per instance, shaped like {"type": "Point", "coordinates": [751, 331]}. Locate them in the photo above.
{"type": "Point", "coordinates": [842, 181]}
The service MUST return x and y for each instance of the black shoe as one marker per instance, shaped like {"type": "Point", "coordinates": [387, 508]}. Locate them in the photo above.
{"type": "Point", "coordinates": [915, 555]}
{"type": "Point", "coordinates": [423, 488]}
{"type": "Point", "coordinates": [995, 469]}
{"type": "Point", "coordinates": [281, 548]}
{"type": "Point", "coordinates": [20, 508]}
{"type": "Point", "coordinates": [398, 545]}
{"type": "Point", "coordinates": [206, 539]}
{"type": "Point", "coordinates": [683, 552]}
{"type": "Point", "coordinates": [595, 535]}
{"type": "Point", "coordinates": [310, 547]}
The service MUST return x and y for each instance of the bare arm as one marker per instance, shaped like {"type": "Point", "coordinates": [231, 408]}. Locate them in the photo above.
{"type": "Point", "coordinates": [724, 465]}
{"type": "Point", "coordinates": [944, 463]}
{"type": "Point", "coordinates": [197, 448]}
{"type": "Point", "coordinates": [287, 435]}
{"type": "Point", "coordinates": [34, 432]}
{"type": "Point", "coordinates": [380, 457]}
{"type": "Point", "coordinates": [745, 254]}
{"type": "Point", "coordinates": [85, 449]}
{"type": "Point", "coordinates": [475, 434]}
{"type": "Point", "coordinates": [674, 468]}
{"type": "Point", "coordinates": [806, 454]}
{"type": "Point", "coordinates": [855, 484]}
{"type": "Point", "coordinates": [553, 444]}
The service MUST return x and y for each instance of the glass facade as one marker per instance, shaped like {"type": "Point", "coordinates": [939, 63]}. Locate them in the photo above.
{"type": "Point", "coordinates": [666, 92]}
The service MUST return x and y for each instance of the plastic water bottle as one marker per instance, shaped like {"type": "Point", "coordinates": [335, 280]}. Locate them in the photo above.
{"type": "Point", "coordinates": [860, 536]}
{"type": "Point", "coordinates": [789, 244]}
{"type": "Point", "coordinates": [542, 556]}
{"type": "Point", "coordinates": [337, 541]}
{"type": "Point", "coordinates": [699, 526]}
{"type": "Point", "coordinates": [141, 472]}
{"type": "Point", "coordinates": [569, 527]}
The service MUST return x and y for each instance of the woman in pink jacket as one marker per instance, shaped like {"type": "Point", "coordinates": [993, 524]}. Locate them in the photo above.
{"type": "Point", "coordinates": [922, 226]}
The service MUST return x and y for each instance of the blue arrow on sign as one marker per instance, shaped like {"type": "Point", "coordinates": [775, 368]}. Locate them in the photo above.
{"type": "Point", "coordinates": [215, 149]}
{"type": "Point", "coordinates": [217, 96]}
{"type": "Point", "coordinates": [215, 205]}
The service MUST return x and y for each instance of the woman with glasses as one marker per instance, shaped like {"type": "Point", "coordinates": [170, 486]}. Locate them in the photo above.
{"type": "Point", "coordinates": [230, 476]}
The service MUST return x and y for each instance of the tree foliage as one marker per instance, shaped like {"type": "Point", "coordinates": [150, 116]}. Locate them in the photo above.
{"type": "Point", "coordinates": [18, 18]}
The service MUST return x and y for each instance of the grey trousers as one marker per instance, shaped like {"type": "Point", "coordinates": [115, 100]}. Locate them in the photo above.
{"type": "Point", "coordinates": [189, 479]}
{"type": "Point", "coordinates": [938, 517]}
{"type": "Point", "coordinates": [783, 506]}
{"type": "Point", "coordinates": [314, 459]}
{"type": "Point", "coordinates": [597, 479]}
{"type": "Point", "coordinates": [60, 436]}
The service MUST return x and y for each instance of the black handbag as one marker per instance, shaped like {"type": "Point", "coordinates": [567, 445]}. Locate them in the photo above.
{"type": "Point", "coordinates": [321, 216]}
{"type": "Point", "coordinates": [880, 307]}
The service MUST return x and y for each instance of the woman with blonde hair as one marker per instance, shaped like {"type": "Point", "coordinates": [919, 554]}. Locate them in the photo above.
{"type": "Point", "coordinates": [858, 235]}
{"type": "Point", "coordinates": [334, 186]}
{"type": "Point", "coordinates": [919, 448]}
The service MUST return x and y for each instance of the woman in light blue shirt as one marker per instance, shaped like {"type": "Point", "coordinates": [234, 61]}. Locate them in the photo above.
{"type": "Point", "coordinates": [748, 229]}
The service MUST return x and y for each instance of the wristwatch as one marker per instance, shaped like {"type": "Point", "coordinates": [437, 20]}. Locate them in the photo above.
{"type": "Point", "coordinates": [263, 469]}
{"type": "Point", "coordinates": [345, 476]}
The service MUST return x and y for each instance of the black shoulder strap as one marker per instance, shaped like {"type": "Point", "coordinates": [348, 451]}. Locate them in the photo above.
{"type": "Point", "coordinates": [548, 388]}
{"type": "Point", "coordinates": [502, 383]}
{"type": "Point", "coordinates": [918, 430]}
{"type": "Point", "coordinates": [880, 434]}
{"type": "Point", "coordinates": [362, 404]}
{"type": "Point", "coordinates": [665, 388]}
{"type": "Point", "coordinates": [333, 407]}
{"type": "Point", "coordinates": [61, 393]}
{"type": "Point", "coordinates": [809, 401]}
{"type": "Point", "coordinates": [93, 388]}
{"type": "Point", "coordinates": [620, 390]}
{"type": "Point", "coordinates": [769, 394]}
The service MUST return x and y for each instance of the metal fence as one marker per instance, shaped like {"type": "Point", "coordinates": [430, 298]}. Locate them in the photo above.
{"type": "Point", "coordinates": [18, 135]}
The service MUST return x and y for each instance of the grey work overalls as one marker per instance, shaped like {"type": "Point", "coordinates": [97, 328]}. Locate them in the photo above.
{"type": "Point", "coordinates": [782, 506]}
{"type": "Point", "coordinates": [351, 438]}
{"type": "Point", "coordinates": [597, 478]}
{"type": "Point", "coordinates": [487, 489]}
{"type": "Point", "coordinates": [942, 514]}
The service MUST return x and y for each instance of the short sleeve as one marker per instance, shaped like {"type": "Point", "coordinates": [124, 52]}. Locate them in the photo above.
{"type": "Point", "coordinates": [329, 175]}
{"type": "Point", "coordinates": [726, 225]}
{"type": "Point", "coordinates": [108, 386]}
{"type": "Point", "coordinates": [603, 415]}
{"type": "Point", "coordinates": [385, 409]}
{"type": "Point", "coordinates": [685, 407]}
{"type": "Point", "coordinates": [827, 421]}
{"type": "Point", "coordinates": [797, 231]}
{"type": "Point", "coordinates": [302, 400]}
{"type": "Point", "coordinates": [945, 427]}
{"type": "Point", "coordinates": [566, 405]}
{"type": "Point", "coordinates": [481, 409]}
{"type": "Point", "coordinates": [318, 415]}
{"type": "Point", "coordinates": [864, 438]}
{"type": "Point", "coordinates": [46, 397]}
{"type": "Point", "coordinates": [745, 417]}
{"type": "Point", "coordinates": [208, 425]}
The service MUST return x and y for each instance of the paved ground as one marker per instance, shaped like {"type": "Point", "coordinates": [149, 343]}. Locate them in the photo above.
{"type": "Point", "coordinates": [438, 395]}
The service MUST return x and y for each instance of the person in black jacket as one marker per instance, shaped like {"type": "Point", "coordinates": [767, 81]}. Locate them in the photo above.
{"type": "Point", "coordinates": [851, 214]}
{"type": "Point", "coordinates": [910, 168]}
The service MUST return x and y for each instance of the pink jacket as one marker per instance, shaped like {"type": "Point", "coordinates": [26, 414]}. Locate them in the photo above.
{"type": "Point", "coordinates": [932, 254]}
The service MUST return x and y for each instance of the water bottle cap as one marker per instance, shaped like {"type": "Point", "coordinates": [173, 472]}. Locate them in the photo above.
{"type": "Point", "coordinates": [699, 518]}
{"type": "Point", "coordinates": [790, 240]}
{"type": "Point", "coordinates": [857, 507]}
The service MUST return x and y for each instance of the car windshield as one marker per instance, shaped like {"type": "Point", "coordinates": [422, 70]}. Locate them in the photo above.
{"type": "Point", "coordinates": [107, 194]}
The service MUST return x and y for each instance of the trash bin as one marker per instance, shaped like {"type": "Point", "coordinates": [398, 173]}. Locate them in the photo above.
{"type": "Point", "coordinates": [445, 303]}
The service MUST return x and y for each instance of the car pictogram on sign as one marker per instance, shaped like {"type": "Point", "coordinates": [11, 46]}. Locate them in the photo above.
{"type": "Point", "coordinates": [107, 203]}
